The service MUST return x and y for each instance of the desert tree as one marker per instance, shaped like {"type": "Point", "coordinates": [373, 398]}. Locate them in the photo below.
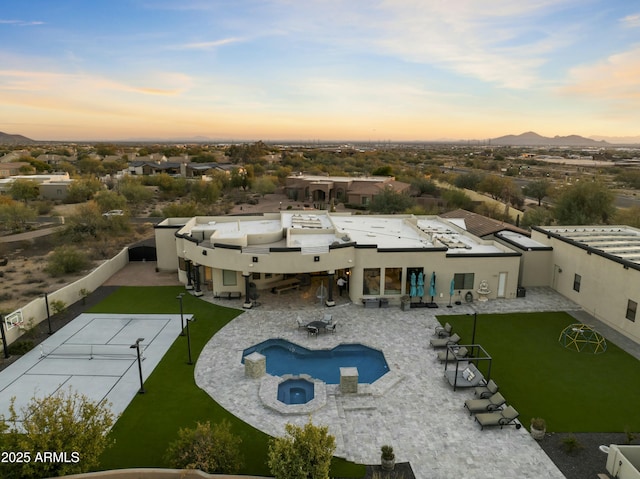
{"type": "Point", "coordinates": [66, 423]}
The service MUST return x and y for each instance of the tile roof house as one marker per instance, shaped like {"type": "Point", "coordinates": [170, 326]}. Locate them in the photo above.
{"type": "Point", "coordinates": [479, 225]}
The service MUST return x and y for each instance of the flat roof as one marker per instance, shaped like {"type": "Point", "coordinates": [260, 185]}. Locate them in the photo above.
{"type": "Point", "coordinates": [520, 240]}
{"type": "Point", "coordinates": [620, 241]}
{"type": "Point", "coordinates": [306, 229]}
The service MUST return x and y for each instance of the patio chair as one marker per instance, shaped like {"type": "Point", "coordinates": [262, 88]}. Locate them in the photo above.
{"type": "Point", "coordinates": [493, 403]}
{"type": "Point", "coordinates": [331, 328]}
{"type": "Point", "coordinates": [486, 390]}
{"type": "Point", "coordinates": [443, 331]}
{"type": "Point", "coordinates": [505, 417]}
{"type": "Point", "coordinates": [444, 342]}
{"type": "Point", "coordinates": [312, 331]}
{"type": "Point", "coordinates": [449, 355]}
{"type": "Point", "coordinates": [301, 323]}
{"type": "Point", "coordinates": [327, 318]}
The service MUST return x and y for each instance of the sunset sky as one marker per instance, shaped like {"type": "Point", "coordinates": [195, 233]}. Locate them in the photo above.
{"type": "Point", "coordinates": [318, 69]}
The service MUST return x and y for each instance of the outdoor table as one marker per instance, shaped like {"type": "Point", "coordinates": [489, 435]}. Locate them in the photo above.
{"type": "Point", "coordinates": [317, 325]}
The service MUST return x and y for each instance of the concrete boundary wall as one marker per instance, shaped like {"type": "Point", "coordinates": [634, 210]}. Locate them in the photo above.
{"type": "Point", "coordinates": [36, 311]}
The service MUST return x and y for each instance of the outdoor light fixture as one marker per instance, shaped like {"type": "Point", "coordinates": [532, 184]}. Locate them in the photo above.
{"type": "Point", "coordinates": [136, 346]}
{"type": "Point", "coordinates": [179, 298]}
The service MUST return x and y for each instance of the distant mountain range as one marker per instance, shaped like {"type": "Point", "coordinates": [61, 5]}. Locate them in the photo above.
{"type": "Point", "coordinates": [7, 139]}
{"type": "Point", "coordinates": [533, 139]}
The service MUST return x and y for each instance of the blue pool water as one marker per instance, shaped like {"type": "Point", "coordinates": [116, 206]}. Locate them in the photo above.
{"type": "Point", "coordinates": [295, 391]}
{"type": "Point", "coordinates": [284, 357]}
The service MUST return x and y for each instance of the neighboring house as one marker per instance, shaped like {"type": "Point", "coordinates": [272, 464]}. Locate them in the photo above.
{"type": "Point", "coordinates": [11, 169]}
{"type": "Point", "coordinates": [52, 187]}
{"type": "Point", "coordinates": [54, 160]}
{"type": "Point", "coordinates": [147, 168]}
{"type": "Point", "coordinates": [324, 189]}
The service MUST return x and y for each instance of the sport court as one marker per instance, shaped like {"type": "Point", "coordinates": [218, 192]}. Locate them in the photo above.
{"type": "Point", "coordinates": [93, 356]}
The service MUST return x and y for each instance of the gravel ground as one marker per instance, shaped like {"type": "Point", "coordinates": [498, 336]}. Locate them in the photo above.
{"type": "Point", "coordinates": [586, 460]}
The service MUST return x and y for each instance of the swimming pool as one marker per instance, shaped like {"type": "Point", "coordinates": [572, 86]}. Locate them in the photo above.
{"type": "Point", "coordinates": [284, 357]}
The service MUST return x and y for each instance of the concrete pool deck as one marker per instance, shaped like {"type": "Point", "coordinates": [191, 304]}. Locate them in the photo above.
{"type": "Point", "coordinates": [414, 409]}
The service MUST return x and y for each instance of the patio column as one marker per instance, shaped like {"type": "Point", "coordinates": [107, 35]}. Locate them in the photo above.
{"type": "Point", "coordinates": [247, 301]}
{"type": "Point", "coordinates": [187, 263]}
{"type": "Point", "coordinates": [196, 280]}
{"type": "Point", "coordinates": [330, 302]}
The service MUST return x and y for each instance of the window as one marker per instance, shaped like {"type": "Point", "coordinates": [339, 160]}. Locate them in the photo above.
{"type": "Point", "coordinates": [268, 275]}
{"type": "Point", "coordinates": [632, 307]}
{"type": "Point", "coordinates": [463, 280]}
{"type": "Point", "coordinates": [255, 276]}
{"type": "Point", "coordinates": [229, 278]}
{"type": "Point", "coordinates": [392, 280]}
{"type": "Point", "coordinates": [371, 281]}
{"type": "Point", "coordinates": [365, 200]}
{"type": "Point", "coordinates": [181, 264]}
{"type": "Point", "coordinates": [576, 282]}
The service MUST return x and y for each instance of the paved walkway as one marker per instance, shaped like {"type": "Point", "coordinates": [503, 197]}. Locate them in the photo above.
{"type": "Point", "coordinates": [412, 408]}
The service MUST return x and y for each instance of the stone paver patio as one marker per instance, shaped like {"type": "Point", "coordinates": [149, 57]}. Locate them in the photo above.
{"type": "Point", "coordinates": [412, 408]}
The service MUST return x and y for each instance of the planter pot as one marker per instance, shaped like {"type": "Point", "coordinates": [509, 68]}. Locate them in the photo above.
{"type": "Point", "coordinates": [538, 434]}
{"type": "Point", "coordinates": [388, 464]}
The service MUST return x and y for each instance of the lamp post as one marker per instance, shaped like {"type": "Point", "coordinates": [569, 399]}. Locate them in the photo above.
{"type": "Point", "coordinates": [179, 298]}
{"type": "Point", "coordinates": [473, 334]}
{"type": "Point", "coordinates": [136, 346]}
{"type": "Point", "coordinates": [46, 303]}
{"type": "Point", "coordinates": [189, 341]}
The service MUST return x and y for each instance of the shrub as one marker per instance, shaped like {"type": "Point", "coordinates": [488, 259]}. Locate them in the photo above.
{"type": "Point", "coordinates": [21, 347]}
{"type": "Point", "coordinates": [66, 260]}
{"type": "Point", "coordinates": [64, 421]}
{"type": "Point", "coordinates": [58, 306]}
{"type": "Point", "coordinates": [212, 449]}
{"type": "Point", "coordinates": [570, 444]}
{"type": "Point", "coordinates": [304, 453]}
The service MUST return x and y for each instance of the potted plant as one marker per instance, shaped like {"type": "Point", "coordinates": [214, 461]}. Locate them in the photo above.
{"type": "Point", "coordinates": [387, 458]}
{"type": "Point", "coordinates": [538, 428]}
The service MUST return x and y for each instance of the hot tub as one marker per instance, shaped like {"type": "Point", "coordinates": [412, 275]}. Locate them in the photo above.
{"type": "Point", "coordinates": [295, 391]}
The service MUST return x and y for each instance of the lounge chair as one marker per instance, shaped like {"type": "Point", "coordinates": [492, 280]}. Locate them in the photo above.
{"type": "Point", "coordinates": [487, 390]}
{"type": "Point", "coordinates": [468, 377]}
{"type": "Point", "coordinates": [443, 331]}
{"type": "Point", "coordinates": [449, 355]}
{"type": "Point", "coordinates": [327, 318]}
{"type": "Point", "coordinates": [505, 417]}
{"type": "Point", "coordinates": [493, 403]}
{"type": "Point", "coordinates": [444, 342]}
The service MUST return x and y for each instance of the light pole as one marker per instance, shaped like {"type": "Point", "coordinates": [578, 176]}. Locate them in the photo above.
{"type": "Point", "coordinates": [189, 340]}
{"type": "Point", "coordinates": [473, 334]}
{"type": "Point", "coordinates": [46, 303]}
{"type": "Point", "coordinates": [179, 298]}
{"type": "Point", "coordinates": [475, 321]}
{"type": "Point", "coordinates": [136, 346]}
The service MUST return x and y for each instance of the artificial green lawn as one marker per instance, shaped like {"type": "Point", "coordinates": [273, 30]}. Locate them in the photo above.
{"type": "Point", "coordinates": [172, 399]}
{"type": "Point", "coordinates": [573, 391]}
